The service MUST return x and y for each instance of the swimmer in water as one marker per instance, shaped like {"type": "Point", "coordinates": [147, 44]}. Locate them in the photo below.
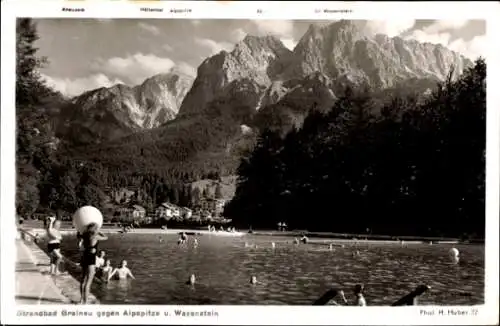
{"type": "Point", "coordinates": [54, 246]}
{"type": "Point", "coordinates": [122, 272]}
{"type": "Point", "coordinates": [99, 260]}
{"type": "Point", "coordinates": [107, 269]}
{"type": "Point", "coordinates": [183, 238]}
{"type": "Point", "coordinates": [253, 280]}
{"type": "Point", "coordinates": [195, 243]}
{"type": "Point", "coordinates": [358, 292]}
{"type": "Point", "coordinates": [304, 239]}
{"type": "Point", "coordinates": [192, 280]}
{"type": "Point", "coordinates": [296, 241]}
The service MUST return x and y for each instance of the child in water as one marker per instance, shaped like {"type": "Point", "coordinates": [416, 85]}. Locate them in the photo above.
{"type": "Point", "coordinates": [106, 270]}
{"type": "Point", "coordinates": [99, 260]}
{"type": "Point", "coordinates": [182, 239]}
{"type": "Point", "coordinates": [122, 272]}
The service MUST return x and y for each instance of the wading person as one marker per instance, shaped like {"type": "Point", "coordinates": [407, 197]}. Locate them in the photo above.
{"type": "Point", "coordinates": [122, 272]}
{"type": "Point", "coordinates": [54, 245]}
{"type": "Point", "coordinates": [107, 269]}
{"type": "Point", "coordinates": [89, 242]}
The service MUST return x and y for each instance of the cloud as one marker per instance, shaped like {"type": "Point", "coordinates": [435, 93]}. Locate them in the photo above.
{"type": "Point", "coordinates": [440, 32]}
{"type": "Point", "coordinates": [213, 46]}
{"type": "Point", "coordinates": [390, 28]}
{"type": "Point", "coordinates": [237, 35]}
{"type": "Point", "coordinates": [445, 25]}
{"type": "Point", "coordinates": [283, 29]}
{"type": "Point", "coordinates": [149, 28]}
{"type": "Point", "coordinates": [477, 47]}
{"type": "Point", "coordinates": [73, 87]}
{"type": "Point", "coordinates": [133, 69]}
{"type": "Point", "coordinates": [437, 38]}
{"type": "Point", "coordinates": [186, 68]}
{"type": "Point", "coordinates": [280, 28]}
{"type": "Point", "coordinates": [104, 20]}
{"type": "Point", "coordinates": [167, 48]}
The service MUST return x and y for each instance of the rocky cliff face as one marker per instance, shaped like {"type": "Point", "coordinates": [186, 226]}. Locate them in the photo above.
{"type": "Point", "coordinates": [260, 83]}
{"type": "Point", "coordinates": [112, 112]}
{"type": "Point", "coordinates": [326, 59]}
{"type": "Point", "coordinates": [344, 50]}
{"type": "Point", "coordinates": [255, 61]}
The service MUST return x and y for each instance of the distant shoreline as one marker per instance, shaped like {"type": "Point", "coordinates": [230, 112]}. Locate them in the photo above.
{"type": "Point", "coordinates": [320, 237]}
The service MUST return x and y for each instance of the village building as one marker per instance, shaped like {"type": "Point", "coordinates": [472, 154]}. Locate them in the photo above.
{"type": "Point", "coordinates": [130, 213]}
{"type": "Point", "coordinates": [167, 211]}
{"type": "Point", "coordinates": [216, 206]}
{"type": "Point", "coordinates": [186, 213]}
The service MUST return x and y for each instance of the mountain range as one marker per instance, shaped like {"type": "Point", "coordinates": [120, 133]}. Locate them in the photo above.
{"type": "Point", "coordinates": [172, 117]}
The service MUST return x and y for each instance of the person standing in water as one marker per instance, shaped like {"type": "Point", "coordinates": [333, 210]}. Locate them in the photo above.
{"type": "Point", "coordinates": [107, 269]}
{"type": "Point", "coordinates": [122, 272]}
{"type": "Point", "coordinates": [54, 245]}
{"type": "Point", "coordinates": [89, 241]}
{"type": "Point", "coordinates": [99, 260]}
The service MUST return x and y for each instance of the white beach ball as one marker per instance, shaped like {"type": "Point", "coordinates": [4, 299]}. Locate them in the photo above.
{"type": "Point", "coordinates": [85, 216]}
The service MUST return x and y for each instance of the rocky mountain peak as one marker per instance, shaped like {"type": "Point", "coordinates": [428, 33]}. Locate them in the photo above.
{"type": "Point", "coordinates": [148, 105]}
{"type": "Point", "coordinates": [259, 59]}
{"type": "Point", "coordinates": [344, 50]}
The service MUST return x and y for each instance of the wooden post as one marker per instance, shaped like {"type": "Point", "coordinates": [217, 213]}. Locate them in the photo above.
{"type": "Point", "coordinates": [411, 299]}
{"type": "Point", "coordinates": [325, 298]}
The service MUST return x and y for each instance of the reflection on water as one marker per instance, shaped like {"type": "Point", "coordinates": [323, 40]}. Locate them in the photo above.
{"type": "Point", "coordinates": [287, 274]}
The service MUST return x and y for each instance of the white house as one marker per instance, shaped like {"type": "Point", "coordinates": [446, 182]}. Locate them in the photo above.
{"type": "Point", "coordinates": [186, 212]}
{"type": "Point", "coordinates": [167, 210]}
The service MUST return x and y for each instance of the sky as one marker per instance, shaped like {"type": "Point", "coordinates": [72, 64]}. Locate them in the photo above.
{"type": "Point", "coordinates": [85, 54]}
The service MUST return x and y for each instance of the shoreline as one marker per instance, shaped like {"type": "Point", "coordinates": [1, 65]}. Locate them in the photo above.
{"type": "Point", "coordinates": [314, 239]}
{"type": "Point", "coordinates": [66, 283]}
{"type": "Point", "coordinates": [42, 232]}
{"type": "Point", "coordinates": [109, 229]}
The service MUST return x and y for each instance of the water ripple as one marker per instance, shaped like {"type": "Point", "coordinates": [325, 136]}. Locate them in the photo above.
{"type": "Point", "coordinates": [287, 274]}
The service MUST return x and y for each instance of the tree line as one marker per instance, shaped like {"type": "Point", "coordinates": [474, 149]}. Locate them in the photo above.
{"type": "Point", "coordinates": [410, 166]}
{"type": "Point", "coordinates": [50, 177]}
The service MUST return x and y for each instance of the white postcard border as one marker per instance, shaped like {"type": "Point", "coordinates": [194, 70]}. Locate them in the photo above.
{"type": "Point", "coordinates": [289, 315]}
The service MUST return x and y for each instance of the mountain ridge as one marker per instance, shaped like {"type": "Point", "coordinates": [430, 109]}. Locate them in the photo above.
{"type": "Point", "coordinates": [128, 109]}
{"type": "Point", "coordinates": [262, 84]}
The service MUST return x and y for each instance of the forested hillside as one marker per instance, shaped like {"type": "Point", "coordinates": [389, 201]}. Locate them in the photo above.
{"type": "Point", "coordinates": [417, 168]}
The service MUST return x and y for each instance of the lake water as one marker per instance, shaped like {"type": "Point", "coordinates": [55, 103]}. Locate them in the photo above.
{"type": "Point", "coordinates": [288, 274]}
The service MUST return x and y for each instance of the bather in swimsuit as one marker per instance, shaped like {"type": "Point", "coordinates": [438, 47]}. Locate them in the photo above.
{"type": "Point", "coordinates": [89, 256]}
{"type": "Point", "coordinates": [52, 247]}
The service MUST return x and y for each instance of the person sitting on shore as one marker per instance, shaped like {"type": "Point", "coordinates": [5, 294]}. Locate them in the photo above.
{"type": "Point", "coordinates": [54, 245]}
{"type": "Point", "coordinates": [122, 272]}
